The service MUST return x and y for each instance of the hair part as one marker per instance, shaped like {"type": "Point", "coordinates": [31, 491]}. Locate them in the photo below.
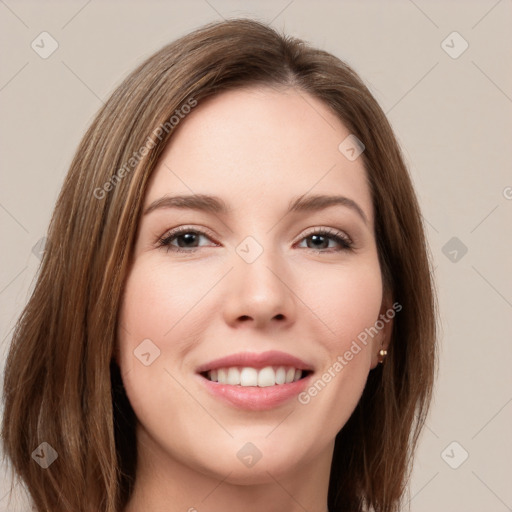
{"type": "Point", "coordinates": [61, 385]}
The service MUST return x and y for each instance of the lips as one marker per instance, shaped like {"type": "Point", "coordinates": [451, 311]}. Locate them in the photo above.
{"type": "Point", "coordinates": [255, 395]}
{"type": "Point", "coordinates": [257, 361]}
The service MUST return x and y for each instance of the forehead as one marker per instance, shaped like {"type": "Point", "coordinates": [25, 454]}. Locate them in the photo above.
{"type": "Point", "coordinates": [259, 146]}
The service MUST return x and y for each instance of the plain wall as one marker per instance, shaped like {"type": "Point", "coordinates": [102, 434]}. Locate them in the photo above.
{"type": "Point", "coordinates": [452, 117]}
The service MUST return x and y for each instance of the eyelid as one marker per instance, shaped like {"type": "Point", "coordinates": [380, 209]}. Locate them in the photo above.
{"type": "Point", "coordinates": [340, 237]}
{"type": "Point", "coordinates": [185, 229]}
{"type": "Point", "coordinates": [327, 230]}
{"type": "Point", "coordinates": [209, 233]}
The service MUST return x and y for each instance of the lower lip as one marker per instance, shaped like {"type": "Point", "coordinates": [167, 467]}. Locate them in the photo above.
{"type": "Point", "coordinates": [255, 398]}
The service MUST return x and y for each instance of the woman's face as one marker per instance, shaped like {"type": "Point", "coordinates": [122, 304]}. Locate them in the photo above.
{"type": "Point", "coordinates": [260, 278]}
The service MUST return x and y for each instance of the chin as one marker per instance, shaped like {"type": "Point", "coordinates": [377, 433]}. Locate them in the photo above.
{"type": "Point", "coordinates": [257, 461]}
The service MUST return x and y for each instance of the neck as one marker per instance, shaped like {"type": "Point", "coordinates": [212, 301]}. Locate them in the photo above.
{"type": "Point", "coordinates": [165, 484]}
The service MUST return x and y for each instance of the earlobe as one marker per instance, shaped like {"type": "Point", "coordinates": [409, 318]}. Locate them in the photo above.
{"type": "Point", "coordinates": [382, 355]}
{"type": "Point", "coordinates": [379, 355]}
{"type": "Point", "coordinates": [381, 342]}
{"type": "Point", "coordinates": [380, 352]}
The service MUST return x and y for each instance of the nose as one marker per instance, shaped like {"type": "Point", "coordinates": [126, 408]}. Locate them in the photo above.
{"type": "Point", "coordinates": [259, 294]}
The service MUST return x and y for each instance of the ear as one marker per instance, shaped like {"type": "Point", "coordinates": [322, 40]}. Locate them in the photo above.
{"type": "Point", "coordinates": [384, 326]}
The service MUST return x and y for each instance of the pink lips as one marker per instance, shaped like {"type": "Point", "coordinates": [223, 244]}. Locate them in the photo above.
{"type": "Point", "coordinates": [256, 398]}
{"type": "Point", "coordinates": [254, 360]}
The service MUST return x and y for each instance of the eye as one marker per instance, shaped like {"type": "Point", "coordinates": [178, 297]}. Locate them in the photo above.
{"type": "Point", "coordinates": [186, 238]}
{"type": "Point", "coordinates": [320, 237]}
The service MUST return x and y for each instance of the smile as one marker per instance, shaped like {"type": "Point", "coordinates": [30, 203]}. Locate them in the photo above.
{"type": "Point", "coordinates": [248, 376]}
{"type": "Point", "coordinates": [255, 381]}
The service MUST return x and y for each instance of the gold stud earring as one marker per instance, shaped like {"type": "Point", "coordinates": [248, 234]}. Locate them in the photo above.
{"type": "Point", "coordinates": [382, 355]}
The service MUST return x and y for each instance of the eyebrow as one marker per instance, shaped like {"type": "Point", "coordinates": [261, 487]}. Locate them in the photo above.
{"type": "Point", "coordinates": [213, 204]}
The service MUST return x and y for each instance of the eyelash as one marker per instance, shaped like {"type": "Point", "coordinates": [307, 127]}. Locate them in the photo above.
{"type": "Point", "coordinates": [343, 240]}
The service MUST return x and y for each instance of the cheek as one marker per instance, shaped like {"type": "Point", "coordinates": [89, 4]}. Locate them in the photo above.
{"type": "Point", "coordinates": [162, 316]}
{"type": "Point", "coordinates": [348, 301]}
{"type": "Point", "coordinates": [158, 302]}
{"type": "Point", "coordinates": [349, 306]}
{"type": "Point", "coordinates": [152, 338]}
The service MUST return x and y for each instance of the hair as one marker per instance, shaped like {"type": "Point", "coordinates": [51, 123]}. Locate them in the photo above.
{"type": "Point", "coordinates": [61, 385]}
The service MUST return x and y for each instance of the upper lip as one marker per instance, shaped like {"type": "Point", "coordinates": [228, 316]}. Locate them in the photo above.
{"type": "Point", "coordinates": [255, 360]}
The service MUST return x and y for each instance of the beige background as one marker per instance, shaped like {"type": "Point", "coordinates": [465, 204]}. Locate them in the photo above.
{"type": "Point", "coordinates": [452, 116]}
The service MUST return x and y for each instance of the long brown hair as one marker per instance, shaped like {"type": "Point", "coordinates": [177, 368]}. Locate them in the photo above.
{"type": "Point", "coordinates": [61, 386]}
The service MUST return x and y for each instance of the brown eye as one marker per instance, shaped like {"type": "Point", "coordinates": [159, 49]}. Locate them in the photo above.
{"type": "Point", "coordinates": [186, 238]}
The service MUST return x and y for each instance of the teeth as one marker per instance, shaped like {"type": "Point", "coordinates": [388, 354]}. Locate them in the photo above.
{"type": "Point", "coordinates": [233, 376]}
{"type": "Point", "coordinates": [280, 375]}
{"type": "Point", "coordinates": [266, 377]}
{"type": "Point", "coordinates": [222, 375]}
{"type": "Point", "coordinates": [247, 376]}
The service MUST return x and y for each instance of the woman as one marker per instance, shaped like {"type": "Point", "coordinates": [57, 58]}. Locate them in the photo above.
{"type": "Point", "coordinates": [235, 308]}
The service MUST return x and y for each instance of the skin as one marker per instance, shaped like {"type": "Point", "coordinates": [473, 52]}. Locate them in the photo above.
{"type": "Point", "coordinates": [256, 148]}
